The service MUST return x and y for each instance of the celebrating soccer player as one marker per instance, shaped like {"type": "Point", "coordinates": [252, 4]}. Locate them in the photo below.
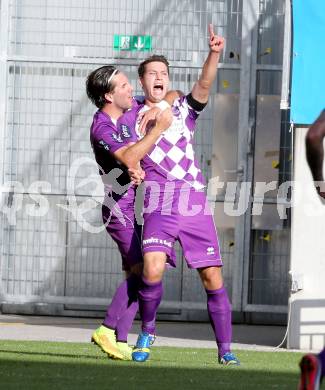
{"type": "Point", "coordinates": [179, 189]}
{"type": "Point", "coordinates": [114, 147]}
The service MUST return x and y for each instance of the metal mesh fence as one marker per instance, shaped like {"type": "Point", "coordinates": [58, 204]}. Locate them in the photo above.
{"type": "Point", "coordinates": [269, 279]}
{"type": "Point", "coordinates": [74, 29]}
{"type": "Point", "coordinates": [52, 45]}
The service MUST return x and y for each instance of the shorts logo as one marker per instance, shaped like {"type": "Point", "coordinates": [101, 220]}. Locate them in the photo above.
{"type": "Point", "coordinates": [210, 250]}
{"type": "Point", "coordinates": [117, 137]}
{"type": "Point", "coordinates": [104, 144]}
{"type": "Point", "coordinates": [154, 240]}
{"type": "Point", "coordinates": [125, 131]}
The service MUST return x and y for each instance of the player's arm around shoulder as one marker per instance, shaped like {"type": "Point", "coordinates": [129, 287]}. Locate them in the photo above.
{"type": "Point", "coordinates": [172, 95]}
{"type": "Point", "coordinates": [124, 156]}
{"type": "Point", "coordinates": [201, 89]}
{"type": "Point", "coordinates": [134, 153]}
{"type": "Point", "coordinates": [147, 119]}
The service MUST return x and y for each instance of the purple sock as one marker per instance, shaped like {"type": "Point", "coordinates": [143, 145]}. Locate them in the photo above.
{"type": "Point", "coordinates": [219, 310]}
{"type": "Point", "coordinates": [124, 297]}
{"type": "Point", "coordinates": [321, 357]}
{"type": "Point", "coordinates": [124, 324]}
{"type": "Point", "coordinates": [150, 295]}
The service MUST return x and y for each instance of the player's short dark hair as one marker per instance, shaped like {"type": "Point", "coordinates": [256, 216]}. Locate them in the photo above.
{"type": "Point", "coordinates": [153, 58]}
{"type": "Point", "coordinates": [98, 83]}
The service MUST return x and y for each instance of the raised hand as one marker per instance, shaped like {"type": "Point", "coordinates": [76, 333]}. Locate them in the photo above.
{"type": "Point", "coordinates": [216, 43]}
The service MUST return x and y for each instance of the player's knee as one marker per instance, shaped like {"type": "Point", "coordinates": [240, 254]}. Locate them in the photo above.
{"type": "Point", "coordinates": [152, 274]}
{"type": "Point", "coordinates": [211, 277]}
{"type": "Point", "coordinates": [154, 266]}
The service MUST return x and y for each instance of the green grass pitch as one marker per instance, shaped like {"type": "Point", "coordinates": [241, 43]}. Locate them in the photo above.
{"type": "Point", "coordinates": [51, 365]}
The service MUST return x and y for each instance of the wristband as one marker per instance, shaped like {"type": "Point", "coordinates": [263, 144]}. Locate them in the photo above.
{"type": "Point", "coordinates": [197, 106]}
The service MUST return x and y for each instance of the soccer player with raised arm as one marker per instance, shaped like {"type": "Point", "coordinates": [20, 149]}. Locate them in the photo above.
{"type": "Point", "coordinates": [177, 187]}
{"type": "Point", "coordinates": [313, 366]}
{"type": "Point", "coordinates": [115, 148]}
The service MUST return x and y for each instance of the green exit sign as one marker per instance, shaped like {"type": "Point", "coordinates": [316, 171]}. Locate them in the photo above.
{"type": "Point", "coordinates": [132, 42]}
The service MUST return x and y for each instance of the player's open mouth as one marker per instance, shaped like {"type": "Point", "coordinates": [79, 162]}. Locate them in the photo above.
{"type": "Point", "coordinates": [158, 87]}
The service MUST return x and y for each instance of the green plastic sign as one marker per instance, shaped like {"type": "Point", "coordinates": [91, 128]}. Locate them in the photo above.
{"type": "Point", "coordinates": [132, 42]}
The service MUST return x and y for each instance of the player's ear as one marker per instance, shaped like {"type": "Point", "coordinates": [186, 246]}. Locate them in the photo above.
{"type": "Point", "coordinates": [140, 79]}
{"type": "Point", "coordinates": [109, 97]}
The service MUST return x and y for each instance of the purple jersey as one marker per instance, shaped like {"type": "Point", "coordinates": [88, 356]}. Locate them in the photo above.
{"type": "Point", "coordinates": [106, 137]}
{"type": "Point", "coordinates": [172, 155]}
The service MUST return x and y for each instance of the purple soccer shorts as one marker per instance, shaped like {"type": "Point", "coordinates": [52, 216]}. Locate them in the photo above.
{"type": "Point", "coordinates": [182, 215]}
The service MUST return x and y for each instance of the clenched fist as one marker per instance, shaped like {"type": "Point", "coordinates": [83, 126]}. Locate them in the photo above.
{"type": "Point", "coordinates": [164, 119]}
